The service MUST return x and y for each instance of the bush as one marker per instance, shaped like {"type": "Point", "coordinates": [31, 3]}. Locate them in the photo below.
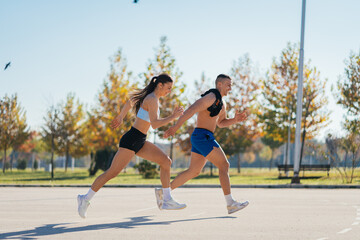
{"type": "Point", "coordinates": [102, 160]}
{"type": "Point", "coordinates": [146, 169]}
{"type": "Point", "coordinates": [21, 164]}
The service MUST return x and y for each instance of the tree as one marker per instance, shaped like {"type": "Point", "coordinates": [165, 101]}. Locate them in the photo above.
{"type": "Point", "coordinates": [314, 116]}
{"type": "Point", "coordinates": [278, 109]}
{"type": "Point", "coordinates": [71, 132]}
{"type": "Point", "coordinates": [348, 145]}
{"type": "Point", "coordinates": [22, 135]}
{"type": "Point", "coordinates": [272, 144]}
{"type": "Point", "coordinates": [13, 126]}
{"type": "Point", "coordinates": [349, 85]}
{"type": "Point", "coordinates": [348, 94]}
{"type": "Point", "coordinates": [164, 62]}
{"type": "Point", "coordinates": [50, 132]}
{"type": "Point", "coordinates": [29, 146]}
{"type": "Point", "coordinates": [111, 98]}
{"type": "Point", "coordinates": [237, 138]}
{"type": "Point", "coordinates": [351, 145]}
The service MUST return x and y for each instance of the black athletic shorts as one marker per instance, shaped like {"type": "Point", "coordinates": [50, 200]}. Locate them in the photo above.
{"type": "Point", "coordinates": [133, 140]}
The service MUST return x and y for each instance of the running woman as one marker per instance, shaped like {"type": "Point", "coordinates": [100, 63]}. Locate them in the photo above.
{"type": "Point", "coordinates": [145, 103]}
{"type": "Point", "coordinates": [211, 111]}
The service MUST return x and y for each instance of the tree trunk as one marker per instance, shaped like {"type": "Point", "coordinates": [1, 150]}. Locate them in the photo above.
{"type": "Point", "coordinates": [171, 148]}
{"type": "Point", "coordinates": [4, 160]}
{"type": "Point", "coordinates": [353, 167]}
{"type": "Point", "coordinates": [67, 157]}
{"type": "Point", "coordinates": [92, 163]}
{"type": "Point", "coordinates": [345, 160]}
{"type": "Point", "coordinates": [286, 162]}
{"type": "Point", "coordinates": [287, 159]}
{"type": "Point", "coordinates": [32, 161]}
{"type": "Point", "coordinates": [11, 160]}
{"type": "Point", "coordinates": [302, 143]}
{"type": "Point", "coordinates": [52, 156]}
{"type": "Point", "coordinates": [238, 163]}
{"type": "Point", "coordinates": [271, 159]}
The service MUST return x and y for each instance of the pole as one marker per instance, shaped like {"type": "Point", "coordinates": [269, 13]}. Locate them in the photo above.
{"type": "Point", "coordinates": [296, 178]}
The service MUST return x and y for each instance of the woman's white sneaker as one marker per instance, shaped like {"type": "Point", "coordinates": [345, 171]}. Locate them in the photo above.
{"type": "Point", "coordinates": [159, 197]}
{"type": "Point", "coordinates": [236, 206]}
{"type": "Point", "coordinates": [82, 205]}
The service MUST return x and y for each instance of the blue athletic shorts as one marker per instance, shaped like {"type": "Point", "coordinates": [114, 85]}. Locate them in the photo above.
{"type": "Point", "coordinates": [203, 141]}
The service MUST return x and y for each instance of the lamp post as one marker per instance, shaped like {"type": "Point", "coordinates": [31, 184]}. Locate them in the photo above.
{"type": "Point", "coordinates": [296, 178]}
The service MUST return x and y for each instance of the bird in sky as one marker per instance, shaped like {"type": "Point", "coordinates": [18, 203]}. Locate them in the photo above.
{"type": "Point", "coordinates": [7, 65]}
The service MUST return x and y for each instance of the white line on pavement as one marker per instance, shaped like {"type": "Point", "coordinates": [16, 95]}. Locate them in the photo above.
{"type": "Point", "coordinates": [355, 223]}
{"type": "Point", "coordinates": [344, 231]}
{"type": "Point", "coordinates": [324, 238]}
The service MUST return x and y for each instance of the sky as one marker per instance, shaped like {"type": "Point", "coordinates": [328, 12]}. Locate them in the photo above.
{"type": "Point", "coordinates": [57, 47]}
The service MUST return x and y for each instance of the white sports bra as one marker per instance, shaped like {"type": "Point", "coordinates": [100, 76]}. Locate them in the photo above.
{"type": "Point", "coordinates": [144, 115]}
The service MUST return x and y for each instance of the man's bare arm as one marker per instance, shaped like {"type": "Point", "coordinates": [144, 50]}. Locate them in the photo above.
{"type": "Point", "coordinates": [200, 105]}
{"type": "Point", "coordinates": [223, 121]}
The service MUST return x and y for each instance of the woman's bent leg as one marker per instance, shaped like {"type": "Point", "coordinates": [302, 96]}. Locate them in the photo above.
{"type": "Point", "coordinates": [120, 161]}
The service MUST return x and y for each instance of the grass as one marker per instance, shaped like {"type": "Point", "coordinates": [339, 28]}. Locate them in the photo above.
{"type": "Point", "coordinates": [253, 176]}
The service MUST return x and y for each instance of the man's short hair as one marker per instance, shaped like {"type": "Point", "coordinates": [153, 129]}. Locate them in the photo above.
{"type": "Point", "coordinates": [221, 77]}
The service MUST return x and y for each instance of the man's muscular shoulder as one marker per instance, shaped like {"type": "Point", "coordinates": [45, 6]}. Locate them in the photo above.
{"type": "Point", "coordinates": [209, 98]}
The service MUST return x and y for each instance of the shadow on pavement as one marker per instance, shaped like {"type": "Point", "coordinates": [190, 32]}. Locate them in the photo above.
{"type": "Point", "coordinates": [56, 229]}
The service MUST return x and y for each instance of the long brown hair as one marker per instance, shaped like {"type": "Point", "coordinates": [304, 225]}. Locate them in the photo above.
{"type": "Point", "coordinates": [138, 96]}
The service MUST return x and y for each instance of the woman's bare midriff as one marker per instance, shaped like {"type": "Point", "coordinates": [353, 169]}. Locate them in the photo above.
{"type": "Point", "coordinates": [141, 125]}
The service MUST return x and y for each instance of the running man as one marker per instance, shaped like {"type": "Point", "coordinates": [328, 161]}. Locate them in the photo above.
{"type": "Point", "coordinates": [211, 111]}
{"type": "Point", "coordinates": [145, 103]}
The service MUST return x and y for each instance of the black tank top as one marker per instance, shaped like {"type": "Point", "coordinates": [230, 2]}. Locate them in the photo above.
{"type": "Point", "coordinates": [216, 107]}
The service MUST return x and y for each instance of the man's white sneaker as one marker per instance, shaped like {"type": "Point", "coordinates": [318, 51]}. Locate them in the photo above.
{"type": "Point", "coordinates": [82, 205]}
{"type": "Point", "coordinates": [172, 205]}
{"type": "Point", "coordinates": [159, 197]}
{"type": "Point", "coordinates": [236, 206]}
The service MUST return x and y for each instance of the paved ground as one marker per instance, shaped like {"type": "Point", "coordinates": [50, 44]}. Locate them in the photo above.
{"type": "Point", "coordinates": [130, 213]}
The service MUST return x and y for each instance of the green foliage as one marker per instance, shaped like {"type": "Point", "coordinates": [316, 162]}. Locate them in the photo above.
{"type": "Point", "coordinates": [21, 164]}
{"type": "Point", "coordinates": [349, 85]}
{"type": "Point", "coordinates": [146, 169]}
{"type": "Point", "coordinates": [266, 153]}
